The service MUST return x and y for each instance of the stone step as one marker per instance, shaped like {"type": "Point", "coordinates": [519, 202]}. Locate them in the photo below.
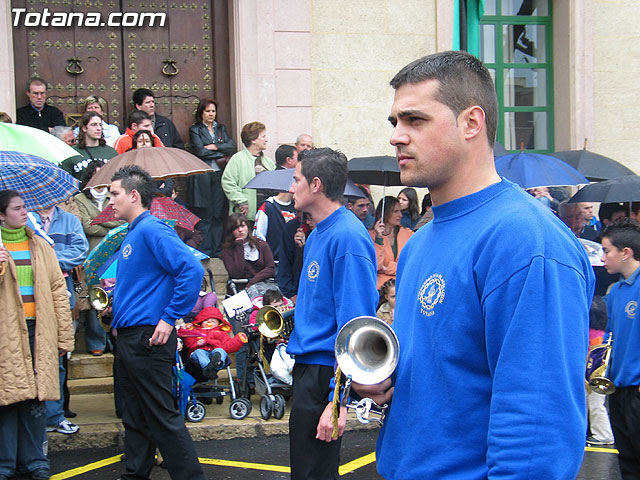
{"type": "Point", "coordinates": [83, 365]}
{"type": "Point", "coordinates": [90, 385]}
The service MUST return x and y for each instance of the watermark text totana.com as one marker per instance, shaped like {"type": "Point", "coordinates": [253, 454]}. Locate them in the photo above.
{"type": "Point", "coordinates": [86, 19]}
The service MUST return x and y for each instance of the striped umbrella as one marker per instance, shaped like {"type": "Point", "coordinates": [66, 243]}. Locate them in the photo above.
{"type": "Point", "coordinates": [41, 184]}
{"type": "Point", "coordinates": [19, 138]}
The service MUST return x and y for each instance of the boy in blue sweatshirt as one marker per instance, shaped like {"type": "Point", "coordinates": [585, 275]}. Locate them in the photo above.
{"type": "Point", "coordinates": [158, 281]}
{"type": "Point", "coordinates": [338, 283]}
{"type": "Point", "coordinates": [621, 245]}
{"type": "Point", "coordinates": [492, 300]}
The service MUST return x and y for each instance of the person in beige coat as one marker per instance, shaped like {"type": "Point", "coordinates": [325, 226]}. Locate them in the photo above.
{"type": "Point", "coordinates": [35, 328]}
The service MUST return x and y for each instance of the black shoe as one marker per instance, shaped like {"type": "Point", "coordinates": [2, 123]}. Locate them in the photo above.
{"type": "Point", "coordinates": [210, 371]}
{"type": "Point", "coordinates": [216, 360]}
{"type": "Point", "coordinates": [40, 474]}
{"type": "Point", "coordinates": [70, 414]}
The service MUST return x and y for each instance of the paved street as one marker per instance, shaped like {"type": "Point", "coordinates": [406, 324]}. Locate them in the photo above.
{"type": "Point", "coordinates": [268, 458]}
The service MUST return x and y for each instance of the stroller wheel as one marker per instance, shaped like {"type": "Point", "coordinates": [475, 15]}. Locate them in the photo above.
{"type": "Point", "coordinates": [239, 408]}
{"type": "Point", "coordinates": [196, 411]}
{"type": "Point", "coordinates": [278, 407]}
{"type": "Point", "coordinates": [266, 407]}
{"type": "Point", "coordinates": [219, 400]}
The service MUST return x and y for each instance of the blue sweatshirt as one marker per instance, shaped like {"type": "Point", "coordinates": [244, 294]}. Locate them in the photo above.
{"type": "Point", "coordinates": [158, 277]}
{"type": "Point", "coordinates": [622, 308]}
{"type": "Point", "coordinates": [492, 316]}
{"type": "Point", "coordinates": [338, 283]}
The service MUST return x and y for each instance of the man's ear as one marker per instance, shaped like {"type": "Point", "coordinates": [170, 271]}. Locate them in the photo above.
{"type": "Point", "coordinates": [316, 185]}
{"type": "Point", "coordinates": [134, 195]}
{"type": "Point", "coordinates": [473, 120]}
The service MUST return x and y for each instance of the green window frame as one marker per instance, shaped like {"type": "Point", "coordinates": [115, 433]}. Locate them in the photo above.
{"type": "Point", "coordinates": [522, 70]}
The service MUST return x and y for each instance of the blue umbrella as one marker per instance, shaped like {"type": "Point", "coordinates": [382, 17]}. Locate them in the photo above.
{"type": "Point", "coordinates": [531, 170]}
{"type": "Point", "coordinates": [41, 184]}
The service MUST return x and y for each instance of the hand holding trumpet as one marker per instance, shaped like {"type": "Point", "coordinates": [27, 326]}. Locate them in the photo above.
{"type": "Point", "coordinates": [380, 393]}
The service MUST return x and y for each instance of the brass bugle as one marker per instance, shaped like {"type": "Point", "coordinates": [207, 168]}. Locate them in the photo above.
{"type": "Point", "coordinates": [270, 322]}
{"type": "Point", "coordinates": [98, 298]}
{"type": "Point", "coordinates": [597, 369]}
{"type": "Point", "coordinates": [367, 352]}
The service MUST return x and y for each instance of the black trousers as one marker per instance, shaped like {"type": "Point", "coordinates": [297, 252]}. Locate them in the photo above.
{"type": "Point", "coordinates": [150, 417]}
{"type": "Point", "coordinates": [311, 459]}
{"type": "Point", "coordinates": [624, 410]}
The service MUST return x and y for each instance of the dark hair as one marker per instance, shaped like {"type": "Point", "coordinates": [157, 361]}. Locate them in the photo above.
{"type": "Point", "coordinates": [136, 117]}
{"type": "Point", "coordinates": [271, 295]}
{"type": "Point", "coordinates": [463, 81]}
{"type": "Point", "coordinates": [365, 194]}
{"type": "Point", "coordinates": [82, 136]}
{"type": "Point", "coordinates": [598, 313]}
{"type": "Point", "coordinates": [426, 203]}
{"type": "Point", "coordinates": [37, 81]}
{"type": "Point", "coordinates": [133, 177]}
{"type": "Point", "coordinates": [5, 198]}
{"type": "Point", "coordinates": [389, 204]}
{"type": "Point", "coordinates": [412, 196]}
{"type": "Point", "coordinates": [202, 106]}
{"type": "Point", "coordinates": [606, 210]}
{"type": "Point", "coordinates": [140, 94]}
{"type": "Point", "coordinates": [250, 132]}
{"type": "Point", "coordinates": [137, 135]}
{"type": "Point", "coordinates": [624, 233]}
{"type": "Point", "coordinates": [283, 152]}
{"type": "Point", "coordinates": [233, 222]}
{"type": "Point", "coordinates": [89, 172]}
{"type": "Point", "coordinates": [330, 166]}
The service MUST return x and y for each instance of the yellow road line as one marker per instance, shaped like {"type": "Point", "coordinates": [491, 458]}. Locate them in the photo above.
{"type": "Point", "coordinates": [600, 449]}
{"type": "Point", "coordinates": [87, 468]}
{"type": "Point", "coordinates": [357, 463]}
{"type": "Point", "coordinates": [254, 466]}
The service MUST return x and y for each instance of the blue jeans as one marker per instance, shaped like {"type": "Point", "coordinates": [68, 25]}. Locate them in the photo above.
{"type": "Point", "coordinates": [55, 408]}
{"type": "Point", "coordinates": [94, 334]}
{"type": "Point", "coordinates": [203, 357]}
{"type": "Point", "coordinates": [23, 437]}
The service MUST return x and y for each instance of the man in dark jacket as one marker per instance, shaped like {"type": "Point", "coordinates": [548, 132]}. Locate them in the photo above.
{"type": "Point", "coordinates": [38, 114]}
{"type": "Point", "coordinates": [163, 127]}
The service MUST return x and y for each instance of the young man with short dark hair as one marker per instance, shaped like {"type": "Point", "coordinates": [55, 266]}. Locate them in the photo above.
{"type": "Point", "coordinates": [144, 99]}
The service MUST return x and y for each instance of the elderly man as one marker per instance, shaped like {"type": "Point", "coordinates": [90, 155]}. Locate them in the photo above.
{"type": "Point", "coordinates": [38, 114]}
{"type": "Point", "coordinates": [304, 142]}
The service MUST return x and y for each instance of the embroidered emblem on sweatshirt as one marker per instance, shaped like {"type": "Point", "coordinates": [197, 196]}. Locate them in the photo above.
{"type": "Point", "coordinates": [630, 309]}
{"type": "Point", "coordinates": [430, 294]}
{"type": "Point", "coordinates": [126, 251]}
{"type": "Point", "coordinates": [312, 271]}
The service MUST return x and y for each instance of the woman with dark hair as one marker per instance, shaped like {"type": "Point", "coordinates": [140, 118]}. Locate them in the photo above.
{"type": "Point", "coordinates": [142, 139]}
{"type": "Point", "coordinates": [244, 255]}
{"type": "Point", "coordinates": [389, 237]}
{"type": "Point", "coordinates": [211, 143]}
{"type": "Point", "coordinates": [35, 328]}
{"type": "Point", "coordinates": [408, 199]}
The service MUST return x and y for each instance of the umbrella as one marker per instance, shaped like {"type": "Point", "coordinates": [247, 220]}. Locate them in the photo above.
{"type": "Point", "coordinates": [41, 184]}
{"type": "Point", "coordinates": [160, 162]}
{"type": "Point", "coordinates": [499, 150]}
{"type": "Point", "coordinates": [381, 170]}
{"type": "Point", "coordinates": [164, 208]}
{"type": "Point", "coordinates": [621, 189]}
{"type": "Point", "coordinates": [282, 179]}
{"type": "Point", "coordinates": [103, 252]}
{"type": "Point", "coordinates": [19, 138]}
{"type": "Point", "coordinates": [594, 166]}
{"type": "Point", "coordinates": [531, 170]}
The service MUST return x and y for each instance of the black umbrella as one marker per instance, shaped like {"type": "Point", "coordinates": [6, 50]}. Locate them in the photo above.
{"type": "Point", "coordinates": [282, 179]}
{"type": "Point", "coordinates": [594, 166]}
{"type": "Point", "coordinates": [616, 190]}
{"type": "Point", "coordinates": [381, 170]}
{"type": "Point", "coordinates": [499, 150]}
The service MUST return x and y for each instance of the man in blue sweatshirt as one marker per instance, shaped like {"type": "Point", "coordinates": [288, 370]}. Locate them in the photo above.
{"type": "Point", "coordinates": [337, 252]}
{"type": "Point", "coordinates": [492, 300]}
{"type": "Point", "coordinates": [621, 245]}
{"type": "Point", "coordinates": [157, 282]}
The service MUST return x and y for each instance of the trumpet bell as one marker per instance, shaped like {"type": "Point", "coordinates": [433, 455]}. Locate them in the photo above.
{"type": "Point", "coordinates": [602, 385]}
{"type": "Point", "coordinates": [598, 368]}
{"type": "Point", "coordinates": [367, 349]}
{"type": "Point", "coordinates": [98, 298]}
{"type": "Point", "coordinates": [270, 322]}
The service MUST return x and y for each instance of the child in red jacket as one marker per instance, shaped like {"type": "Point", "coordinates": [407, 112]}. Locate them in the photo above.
{"type": "Point", "coordinates": [208, 342]}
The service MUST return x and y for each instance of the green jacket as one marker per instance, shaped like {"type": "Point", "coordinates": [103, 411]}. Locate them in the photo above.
{"type": "Point", "coordinates": [240, 169]}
